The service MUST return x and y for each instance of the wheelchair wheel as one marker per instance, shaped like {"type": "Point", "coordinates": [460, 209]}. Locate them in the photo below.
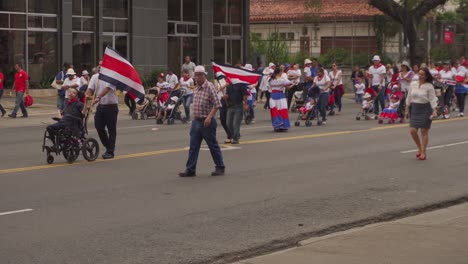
{"type": "Point", "coordinates": [50, 159]}
{"type": "Point", "coordinates": [358, 118]}
{"type": "Point", "coordinates": [90, 149]}
{"type": "Point", "coordinates": [71, 153]}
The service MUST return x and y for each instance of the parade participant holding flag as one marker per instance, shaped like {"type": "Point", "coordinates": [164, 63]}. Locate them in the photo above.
{"type": "Point", "coordinates": [114, 72]}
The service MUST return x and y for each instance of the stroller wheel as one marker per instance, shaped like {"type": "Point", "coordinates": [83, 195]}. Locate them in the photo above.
{"type": "Point", "coordinates": [358, 118]}
{"type": "Point", "coordinates": [367, 118]}
{"type": "Point", "coordinates": [50, 159]}
{"type": "Point", "coordinates": [319, 123]}
{"type": "Point", "coordinates": [159, 121]}
{"type": "Point", "coordinates": [297, 123]}
{"type": "Point", "coordinates": [170, 121]}
{"type": "Point", "coordinates": [332, 113]}
{"type": "Point", "coordinates": [134, 115]}
{"type": "Point", "coordinates": [308, 123]}
{"type": "Point", "coordinates": [380, 121]}
{"type": "Point", "coordinates": [144, 116]}
{"type": "Point", "coordinates": [184, 120]}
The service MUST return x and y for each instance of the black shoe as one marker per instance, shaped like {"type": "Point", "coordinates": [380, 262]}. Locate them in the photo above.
{"type": "Point", "coordinates": [12, 115]}
{"type": "Point", "coordinates": [187, 174]}
{"type": "Point", "coordinates": [3, 113]}
{"type": "Point", "coordinates": [25, 116]}
{"type": "Point", "coordinates": [235, 142]}
{"type": "Point", "coordinates": [218, 172]}
{"type": "Point", "coordinates": [107, 156]}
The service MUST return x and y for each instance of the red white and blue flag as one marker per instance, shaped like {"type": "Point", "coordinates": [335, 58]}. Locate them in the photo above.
{"type": "Point", "coordinates": [116, 70]}
{"type": "Point", "coordinates": [236, 75]}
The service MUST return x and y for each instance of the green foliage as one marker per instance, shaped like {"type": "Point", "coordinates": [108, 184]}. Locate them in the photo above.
{"type": "Point", "coordinates": [46, 82]}
{"type": "Point", "coordinates": [440, 53]}
{"type": "Point", "coordinates": [150, 80]}
{"type": "Point", "coordinates": [344, 58]}
{"type": "Point", "coordinates": [450, 17]}
{"type": "Point", "coordinates": [273, 48]}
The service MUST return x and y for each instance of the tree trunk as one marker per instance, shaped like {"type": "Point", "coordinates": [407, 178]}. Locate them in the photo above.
{"type": "Point", "coordinates": [416, 53]}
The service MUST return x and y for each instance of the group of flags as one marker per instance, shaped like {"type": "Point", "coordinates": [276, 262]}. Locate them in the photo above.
{"type": "Point", "coordinates": [117, 70]}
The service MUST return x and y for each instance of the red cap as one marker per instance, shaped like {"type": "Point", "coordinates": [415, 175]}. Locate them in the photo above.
{"type": "Point", "coordinates": [161, 75]}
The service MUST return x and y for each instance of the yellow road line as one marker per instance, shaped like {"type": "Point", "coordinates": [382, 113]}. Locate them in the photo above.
{"type": "Point", "coordinates": [258, 141]}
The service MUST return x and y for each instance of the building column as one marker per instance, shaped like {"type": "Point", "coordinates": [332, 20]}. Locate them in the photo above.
{"type": "Point", "coordinates": [149, 35]}
{"type": "Point", "coordinates": [206, 33]}
{"type": "Point", "coordinates": [66, 32]}
{"type": "Point", "coordinates": [246, 31]}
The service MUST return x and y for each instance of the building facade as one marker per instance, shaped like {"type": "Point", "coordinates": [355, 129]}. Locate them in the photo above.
{"type": "Point", "coordinates": [152, 34]}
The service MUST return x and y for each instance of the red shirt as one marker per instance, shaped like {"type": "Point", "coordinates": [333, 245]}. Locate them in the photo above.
{"type": "Point", "coordinates": [465, 63]}
{"type": "Point", "coordinates": [21, 78]}
{"type": "Point", "coordinates": [2, 80]}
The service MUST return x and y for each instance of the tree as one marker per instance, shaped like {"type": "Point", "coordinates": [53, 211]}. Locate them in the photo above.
{"type": "Point", "coordinates": [408, 13]}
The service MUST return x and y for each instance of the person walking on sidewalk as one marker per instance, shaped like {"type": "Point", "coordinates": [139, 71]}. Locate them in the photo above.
{"type": "Point", "coordinates": [2, 80]}
{"type": "Point", "coordinates": [377, 79]}
{"type": "Point", "coordinates": [106, 113]}
{"type": "Point", "coordinates": [205, 105]}
{"type": "Point", "coordinates": [21, 87]}
{"type": "Point", "coordinates": [59, 78]}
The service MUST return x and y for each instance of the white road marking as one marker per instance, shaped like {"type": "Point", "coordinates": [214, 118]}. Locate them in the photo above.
{"type": "Point", "coordinates": [133, 127]}
{"type": "Point", "coordinates": [436, 147]}
{"type": "Point", "coordinates": [16, 212]}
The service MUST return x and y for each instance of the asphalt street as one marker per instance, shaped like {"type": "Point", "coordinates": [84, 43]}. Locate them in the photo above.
{"type": "Point", "coordinates": [278, 188]}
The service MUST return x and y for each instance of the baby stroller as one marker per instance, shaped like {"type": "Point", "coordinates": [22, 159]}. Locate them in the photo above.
{"type": "Point", "coordinates": [299, 100]}
{"type": "Point", "coordinates": [367, 108]}
{"type": "Point", "coordinates": [70, 140]}
{"type": "Point", "coordinates": [311, 111]}
{"type": "Point", "coordinates": [174, 113]}
{"type": "Point", "coordinates": [149, 107]}
{"type": "Point", "coordinates": [331, 104]}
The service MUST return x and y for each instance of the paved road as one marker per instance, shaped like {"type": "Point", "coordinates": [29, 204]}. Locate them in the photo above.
{"type": "Point", "coordinates": [279, 188]}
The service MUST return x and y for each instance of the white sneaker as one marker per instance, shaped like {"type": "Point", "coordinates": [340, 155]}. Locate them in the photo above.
{"type": "Point", "coordinates": [461, 114]}
{"type": "Point", "coordinates": [253, 121]}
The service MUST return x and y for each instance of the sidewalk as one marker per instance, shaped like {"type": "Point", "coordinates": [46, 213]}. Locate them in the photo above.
{"type": "Point", "coordinates": [436, 237]}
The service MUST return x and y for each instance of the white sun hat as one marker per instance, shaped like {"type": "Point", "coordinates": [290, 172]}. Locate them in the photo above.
{"type": "Point", "coordinates": [71, 72]}
{"type": "Point", "coordinates": [376, 58]}
{"type": "Point", "coordinates": [200, 69]}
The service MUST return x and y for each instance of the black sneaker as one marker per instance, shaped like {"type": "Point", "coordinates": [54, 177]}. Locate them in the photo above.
{"type": "Point", "coordinates": [187, 174]}
{"type": "Point", "coordinates": [107, 156]}
{"type": "Point", "coordinates": [3, 113]}
{"type": "Point", "coordinates": [218, 172]}
{"type": "Point", "coordinates": [12, 115]}
{"type": "Point", "coordinates": [235, 142]}
{"type": "Point", "coordinates": [25, 116]}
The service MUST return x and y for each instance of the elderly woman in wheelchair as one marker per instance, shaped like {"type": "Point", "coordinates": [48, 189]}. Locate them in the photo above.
{"type": "Point", "coordinates": [68, 135]}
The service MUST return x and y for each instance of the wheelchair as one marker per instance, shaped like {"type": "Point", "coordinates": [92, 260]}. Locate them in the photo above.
{"type": "Point", "coordinates": [70, 141]}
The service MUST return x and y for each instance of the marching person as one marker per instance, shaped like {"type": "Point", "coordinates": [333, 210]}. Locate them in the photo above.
{"type": "Point", "coordinates": [205, 106]}
{"type": "Point", "coordinates": [377, 78]}
{"type": "Point", "coordinates": [59, 78]}
{"type": "Point", "coordinates": [21, 87]}
{"type": "Point", "coordinates": [106, 112]}
{"type": "Point", "coordinates": [70, 82]}
{"type": "Point", "coordinates": [188, 66]}
{"type": "Point", "coordinates": [423, 103]}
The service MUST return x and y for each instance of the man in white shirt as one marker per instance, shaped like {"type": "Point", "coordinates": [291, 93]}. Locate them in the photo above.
{"type": "Point", "coordinates": [294, 75]}
{"type": "Point", "coordinates": [106, 112]}
{"type": "Point", "coordinates": [377, 75]}
{"type": "Point", "coordinates": [189, 66]}
{"type": "Point", "coordinates": [70, 82]}
{"type": "Point", "coordinates": [171, 79]}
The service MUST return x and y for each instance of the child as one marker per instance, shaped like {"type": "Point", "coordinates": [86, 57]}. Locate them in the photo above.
{"type": "Point", "coordinates": [164, 89]}
{"type": "Point", "coordinates": [390, 112]}
{"type": "Point", "coordinates": [359, 86]}
{"type": "Point", "coordinates": [252, 94]}
{"type": "Point", "coordinates": [307, 108]}
{"type": "Point", "coordinates": [170, 106]}
{"type": "Point", "coordinates": [366, 102]}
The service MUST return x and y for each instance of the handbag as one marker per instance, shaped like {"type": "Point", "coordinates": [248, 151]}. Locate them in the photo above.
{"type": "Point", "coordinates": [28, 100]}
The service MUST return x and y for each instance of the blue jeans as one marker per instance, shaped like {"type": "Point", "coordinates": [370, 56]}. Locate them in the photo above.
{"type": "Point", "coordinates": [251, 108]}
{"type": "Point", "coordinates": [61, 102]}
{"type": "Point", "coordinates": [187, 102]}
{"type": "Point", "coordinates": [322, 104]}
{"type": "Point", "coordinates": [380, 99]}
{"type": "Point", "coordinates": [235, 113]}
{"type": "Point", "coordinates": [198, 133]}
{"type": "Point", "coordinates": [1, 107]}
{"type": "Point", "coordinates": [19, 104]}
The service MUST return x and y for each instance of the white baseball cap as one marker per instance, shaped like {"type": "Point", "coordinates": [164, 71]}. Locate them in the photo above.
{"type": "Point", "coordinates": [85, 72]}
{"type": "Point", "coordinates": [174, 98]}
{"type": "Point", "coordinates": [271, 65]}
{"type": "Point", "coordinates": [376, 58]}
{"type": "Point", "coordinates": [200, 69]}
{"type": "Point", "coordinates": [307, 61]}
{"type": "Point", "coordinates": [248, 67]}
{"type": "Point", "coordinates": [406, 64]}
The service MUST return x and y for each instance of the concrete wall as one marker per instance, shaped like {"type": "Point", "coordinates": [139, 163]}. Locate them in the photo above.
{"type": "Point", "coordinates": [149, 34]}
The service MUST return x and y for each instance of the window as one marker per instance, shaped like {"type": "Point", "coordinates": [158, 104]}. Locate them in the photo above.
{"type": "Point", "coordinates": [42, 56]}
{"type": "Point", "coordinates": [115, 25]}
{"type": "Point", "coordinates": [13, 5]}
{"type": "Point", "coordinates": [84, 28]}
{"type": "Point", "coordinates": [227, 31]}
{"type": "Point", "coordinates": [115, 8]}
{"type": "Point", "coordinates": [12, 50]}
{"type": "Point", "coordinates": [43, 6]}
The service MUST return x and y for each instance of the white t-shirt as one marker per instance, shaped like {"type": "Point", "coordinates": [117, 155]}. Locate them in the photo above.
{"type": "Point", "coordinates": [404, 84]}
{"type": "Point", "coordinates": [460, 71]}
{"type": "Point", "coordinates": [83, 81]}
{"type": "Point", "coordinates": [360, 88]}
{"type": "Point", "coordinates": [284, 76]}
{"type": "Point", "coordinates": [447, 75]}
{"type": "Point", "coordinates": [322, 83]}
{"type": "Point", "coordinates": [295, 73]}
{"type": "Point", "coordinates": [99, 85]}
{"type": "Point", "coordinates": [185, 85]}
{"type": "Point", "coordinates": [336, 79]}
{"type": "Point", "coordinates": [172, 80]}
{"type": "Point", "coordinates": [264, 85]}
{"type": "Point", "coordinates": [434, 73]}
{"type": "Point", "coordinates": [68, 82]}
{"type": "Point", "coordinates": [376, 74]}
{"type": "Point", "coordinates": [415, 78]}
{"type": "Point", "coordinates": [307, 72]}
{"type": "Point", "coordinates": [164, 87]}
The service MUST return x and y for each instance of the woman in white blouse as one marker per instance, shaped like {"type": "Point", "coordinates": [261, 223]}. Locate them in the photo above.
{"type": "Point", "coordinates": [336, 78]}
{"type": "Point", "coordinates": [422, 101]}
{"type": "Point", "coordinates": [323, 82]}
{"type": "Point", "coordinates": [187, 85]}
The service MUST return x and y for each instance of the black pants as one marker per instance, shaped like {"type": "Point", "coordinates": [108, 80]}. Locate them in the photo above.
{"type": "Point", "coordinates": [461, 102]}
{"type": "Point", "coordinates": [130, 103]}
{"type": "Point", "coordinates": [223, 118]}
{"type": "Point", "coordinates": [1, 107]}
{"type": "Point", "coordinates": [448, 96]}
{"type": "Point", "coordinates": [267, 103]}
{"type": "Point", "coordinates": [106, 117]}
{"type": "Point", "coordinates": [291, 92]}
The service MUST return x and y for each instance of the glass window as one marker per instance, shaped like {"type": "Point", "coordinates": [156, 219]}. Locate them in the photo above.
{"type": "Point", "coordinates": [35, 22]}
{"type": "Point", "coordinates": [121, 25]}
{"type": "Point", "coordinates": [190, 10]}
{"type": "Point", "coordinates": [121, 45]}
{"type": "Point", "coordinates": [108, 25]}
{"type": "Point", "coordinates": [49, 22]}
{"type": "Point", "coordinates": [174, 10]}
{"type": "Point", "coordinates": [17, 21]}
{"type": "Point", "coordinates": [235, 13]}
{"type": "Point", "coordinates": [219, 10]}
{"type": "Point", "coordinates": [13, 5]}
{"type": "Point", "coordinates": [219, 50]}
{"type": "Point", "coordinates": [83, 50]}
{"type": "Point", "coordinates": [43, 6]}
{"type": "Point", "coordinates": [190, 48]}
{"type": "Point", "coordinates": [173, 53]}
{"type": "Point", "coordinates": [76, 7]}
{"type": "Point", "coordinates": [115, 8]}
{"type": "Point", "coordinates": [88, 7]}
{"type": "Point", "coordinates": [4, 21]}
{"type": "Point", "coordinates": [236, 52]}
{"type": "Point", "coordinates": [42, 56]}
{"type": "Point", "coordinates": [107, 41]}
{"type": "Point", "coordinates": [12, 50]}
{"type": "Point", "coordinates": [76, 23]}
{"type": "Point", "coordinates": [88, 24]}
